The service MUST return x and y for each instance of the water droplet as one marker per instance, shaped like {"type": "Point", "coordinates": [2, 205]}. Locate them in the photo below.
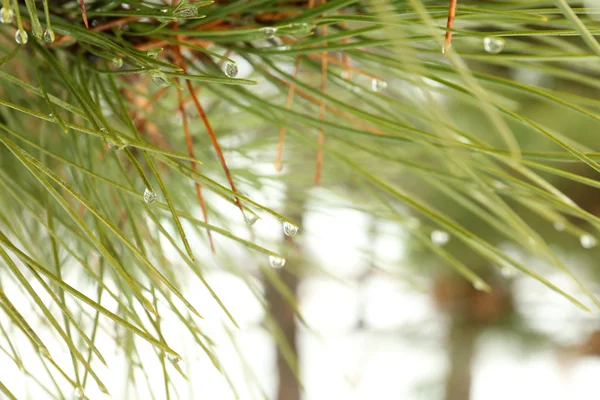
{"type": "Point", "coordinates": [6, 15]}
{"type": "Point", "coordinates": [587, 241]}
{"type": "Point", "coordinates": [231, 69]}
{"type": "Point", "coordinates": [479, 285]}
{"type": "Point", "coordinates": [250, 219]}
{"type": "Point", "coordinates": [78, 393]}
{"type": "Point", "coordinates": [440, 238]}
{"type": "Point", "coordinates": [173, 358]}
{"type": "Point", "coordinates": [493, 45]}
{"type": "Point", "coordinates": [268, 32]}
{"type": "Point", "coordinates": [289, 229]}
{"type": "Point", "coordinates": [149, 196]}
{"type": "Point", "coordinates": [21, 36]}
{"type": "Point", "coordinates": [464, 140]}
{"type": "Point", "coordinates": [117, 62]}
{"type": "Point", "coordinates": [153, 53]}
{"type": "Point", "coordinates": [185, 13]}
{"type": "Point", "coordinates": [377, 85]}
{"type": "Point", "coordinates": [51, 116]}
{"type": "Point", "coordinates": [48, 35]}
{"type": "Point", "coordinates": [276, 262]}
{"type": "Point", "coordinates": [160, 79]}
{"type": "Point", "coordinates": [559, 226]}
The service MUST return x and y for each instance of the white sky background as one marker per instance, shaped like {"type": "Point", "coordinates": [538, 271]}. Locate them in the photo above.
{"type": "Point", "coordinates": [383, 361]}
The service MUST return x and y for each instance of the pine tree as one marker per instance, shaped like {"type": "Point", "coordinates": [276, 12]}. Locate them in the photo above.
{"type": "Point", "coordinates": [138, 141]}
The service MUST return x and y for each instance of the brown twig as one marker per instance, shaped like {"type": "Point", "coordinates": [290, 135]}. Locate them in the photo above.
{"type": "Point", "coordinates": [190, 148]}
{"type": "Point", "coordinates": [331, 109]}
{"type": "Point", "coordinates": [215, 143]}
{"type": "Point", "coordinates": [283, 129]}
{"type": "Point", "coordinates": [179, 60]}
{"type": "Point", "coordinates": [99, 28]}
{"type": "Point", "coordinates": [449, 26]}
{"type": "Point", "coordinates": [84, 13]}
{"type": "Point", "coordinates": [345, 57]}
{"type": "Point", "coordinates": [322, 109]}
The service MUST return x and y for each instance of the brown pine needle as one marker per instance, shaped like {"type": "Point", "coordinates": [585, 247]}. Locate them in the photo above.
{"type": "Point", "coordinates": [113, 23]}
{"type": "Point", "coordinates": [153, 44]}
{"type": "Point", "coordinates": [209, 130]}
{"type": "Point", "coordinates": [333, 110]}
{"type": "Point", "coordinates": [190, 148]}
{"type": "Point", "coordinates": [99, 28]}
{"type": "Point", "coordinates": [322, 111]}
{"type": "Point", "coordinates": [209, 25]}
{"type": "Point", "coordinates": [283, 129]}
{"type": "Point", "coordinates": [345, 57]}
{"type": "Point", "coordinates": [449, 26]}
{"type": "Point", "coordinates": [179, 60]}
{"type": "Point", "coordinates": [84, 13]}
{"type": "Point", "coordinates": [215, 143]}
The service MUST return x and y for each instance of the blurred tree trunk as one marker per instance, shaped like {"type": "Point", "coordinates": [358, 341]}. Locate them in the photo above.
{"type": "Point", "coordinates": [461, 351]}
{"type": "Point", "coordinates": [470, 312]}
{"type": "Point", "coordinates": [283, 313]}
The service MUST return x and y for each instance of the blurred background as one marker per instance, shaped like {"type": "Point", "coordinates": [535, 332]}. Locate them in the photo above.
{"type": "Point", "coordinates": [375, 296]}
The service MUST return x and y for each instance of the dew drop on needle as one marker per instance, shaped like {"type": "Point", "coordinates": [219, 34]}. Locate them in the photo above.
{"type": "Point", "coordinates": [21, 36]}
{"type": "Point", "coordinates": [159, 78]}
{"type": "Point", "coordinates": [377, 85]}
{"type": "Point", "coordinates": [276, 262]}
{"type": "Point", "coordinates": [185, 13]}
{"type": "Point", "coordinates": [149, 196]}
{"type": "Point", "coordinates": [6, 15]}
{"type": "Point", "coordinates": [173, 358]}
{"type": "Point", "coordinates": [440, 238]}
{"type": "Point", "coordinates": [231, 69]}
{"type": "Point", "coordinates": [493, 45]}
{"type": "Point", "coordinates": [48, 35]}
{"type": "Point", "coordinates": [268, 32]}
{"type": "Point", "coordinates": [289, 229]}
{"type": "Point", "coordinates": [587, 241]}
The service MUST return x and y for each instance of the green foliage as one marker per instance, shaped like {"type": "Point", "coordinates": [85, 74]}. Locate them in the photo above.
{"type": "Point", "coordinates": [90, 128]}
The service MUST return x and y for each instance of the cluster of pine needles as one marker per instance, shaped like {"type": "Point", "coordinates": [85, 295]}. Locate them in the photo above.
{"type": "Point", "coordinates": [113, 117]}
